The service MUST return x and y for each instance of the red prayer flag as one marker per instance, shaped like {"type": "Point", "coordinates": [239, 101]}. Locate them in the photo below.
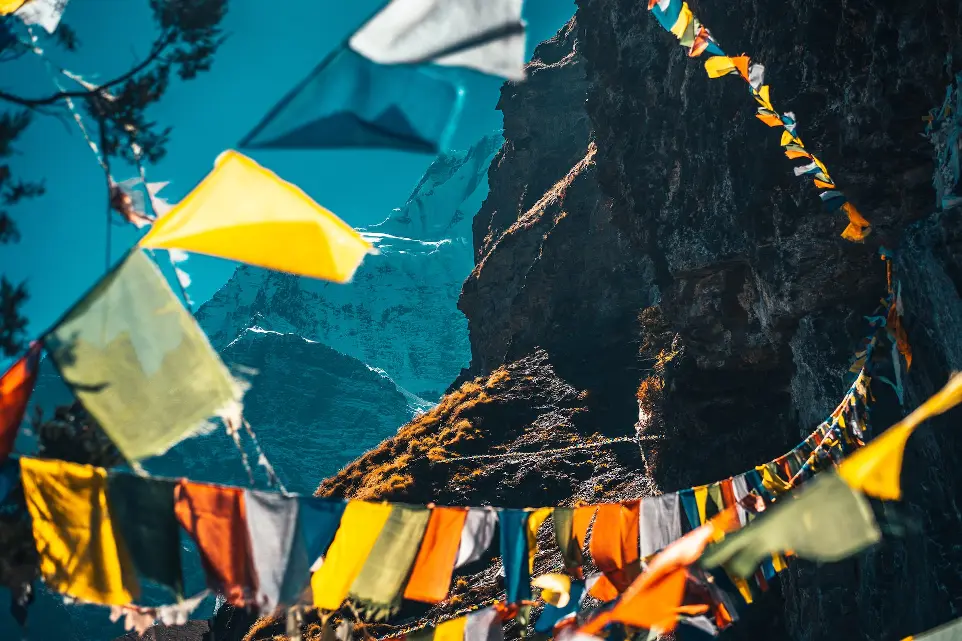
{"type": "Point", "coordinates": [16, 386]}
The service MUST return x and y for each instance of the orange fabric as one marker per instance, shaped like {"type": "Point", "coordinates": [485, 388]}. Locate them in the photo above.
{"type": "Point", "coordinates": [582, 521]}
{"type": "Point", "coordinates": [215, 517]}
{"type": "Point", "coordinates": [431, 577]}
{"type": "Point", "coordinates": [821, 184]}
{"type": "Point", "coordinates": [785, 467]}
{"type": "Point", "coordinates": [741, 63]}
{"type": "Point", "coordinates": [615, 545]}
{"type": "Point", "coordinates": [16, 385]}
{"type": "Point", "coordinates": [701, 42]}
{"type": "Point", "coordinates": [728, 492]}
{"type": "Point", "coordinates": [894, 323]}
{"type": "Point", "coordinates": [770, 119]}
{"type": "Point", "coordinates": [793, 154]}
{"type": "Point", "coordinates": [603, 590]}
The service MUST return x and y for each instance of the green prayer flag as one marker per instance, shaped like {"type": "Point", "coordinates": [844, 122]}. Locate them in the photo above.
{"type": "Point", "coordinates": [824, 521]}
{"type": "Point", "coordinates": [142, 515]}
{"type": "Point", "coordinates": [564, 520]}
{"type": "Point", "coordinates": [377, 589]}
{"type": "Point", "coordinates": [139, 362]}
{"type": "Point", "coordinates": [951, 631]}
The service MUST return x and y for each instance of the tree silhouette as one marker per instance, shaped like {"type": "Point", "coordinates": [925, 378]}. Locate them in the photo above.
{"type": "Point", "coordinates": [113, 112]}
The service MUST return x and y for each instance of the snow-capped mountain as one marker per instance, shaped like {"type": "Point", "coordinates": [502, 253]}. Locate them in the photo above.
{"type": "Point", "coordinates": [399, 314]}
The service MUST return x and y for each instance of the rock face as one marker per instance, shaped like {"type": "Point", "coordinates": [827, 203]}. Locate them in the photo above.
{"type": "Point", "coordinates": [398, 314]}
{"type": "Point", "coordinates": [644, 233]}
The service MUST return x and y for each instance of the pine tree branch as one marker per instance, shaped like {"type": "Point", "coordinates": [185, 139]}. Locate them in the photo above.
{"type": "Point", "coordinates": [159, 47]}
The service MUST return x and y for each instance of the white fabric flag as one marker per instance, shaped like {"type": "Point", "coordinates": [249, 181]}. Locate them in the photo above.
{"type": "Point", "coordinates": [486, 35]}
{"type": "Point", "coordinates": [741, 489]}
{"type": "Point", "coordinates": [484, 625]}
{"type": "Point", "coordinates": [659, 523]}
{"type": "Point", "coordinates": [476, 535]}
{"type": "Point", "coordinates": [46, 13]}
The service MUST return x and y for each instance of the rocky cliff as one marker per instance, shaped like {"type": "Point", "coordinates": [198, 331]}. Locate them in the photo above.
{"type": "Point", "coordinates": [644, 237]}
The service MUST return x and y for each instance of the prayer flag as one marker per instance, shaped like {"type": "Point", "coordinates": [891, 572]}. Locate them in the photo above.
{"type": "Point", "coordinates": [139, 362]}
{"type": "Point", "coordinates": [79, 554]}
{"type": "Point", "coordinates": [823, 521]}
{"type": "Point", "coordinates": [431, 577]}
{"type": "Point", "coordinates": [876, 469]}
{"type": "Point", "coordinates": [16, 386]}
{"type": "Point", "coordinates": [555, 612]}
{"type": "Point", "coordinates": [476, 537]}
{"type": "Point", "coordinates": [615, 543]}
{"type": "Point", "coordinates": [142, 512]}
{"type": "Point", "coordinates": [378, 587]}
{"type": "Point", "coordinates": [486, 36]}
{"type": "Point", "coordinates": [244, 212]}
{"type": "Point", "coordinates": [360, 528]}
{"type": "Point", "coordinates": [46, 13]}
{"type": "Point", "coordinates": [515, 554]}
{"type": "Point", "coordinates": [350, 101]}
{"type": "Point", "coordinates": [660, 522]}
{"type": "Point", "coordinates": [215, 516]}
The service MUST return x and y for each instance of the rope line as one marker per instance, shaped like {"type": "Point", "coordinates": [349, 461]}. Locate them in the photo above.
{"type": "Point", "coordinates": [584, 446]}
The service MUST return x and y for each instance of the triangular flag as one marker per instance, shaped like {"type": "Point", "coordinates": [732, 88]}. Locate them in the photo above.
{"type": "Point", "coordinates": [487, 36]}
{"type": "Point", "coordinates": [16, 386]}
{"type": "Point", "coordinates": [245, 212]}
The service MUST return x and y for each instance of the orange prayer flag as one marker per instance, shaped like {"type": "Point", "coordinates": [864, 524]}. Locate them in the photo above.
{"type": "Point", "coordinates": [741, 63]}
{"type": "Point", "coordinates": [215, 517]}
{"type": "Point", "coordinates": [603, 590]}
{"type": "Point", "coordinates": [615, 545]}
{"type": "Point", "coordinates": [821, 184]}
{"type": "Point", "coordinates": [769, 119]}
{"type": "Point", "coordinates": [431, 577]}
{"type": "Point", "coordinates": [582, 521]}
{"type": "Point", "coordinates": [16, 386]}
{"type": "Point", "coordinates": [795, 153]}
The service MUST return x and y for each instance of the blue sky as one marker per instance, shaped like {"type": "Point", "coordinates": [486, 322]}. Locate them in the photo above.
{"type": "Point", "coordinates": [270, 47]}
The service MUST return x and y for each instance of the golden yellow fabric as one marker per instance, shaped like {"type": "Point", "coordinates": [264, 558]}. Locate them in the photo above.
{"type": "Point", "coordinates": [876, 469]}
{"type": "Point", "coordinates": [743, 587]}
{"type": "Point", "coordinates": [764, 98]}
{"type": "Point", "coordinates": [359, 530]}
{"type": "Point", "coordinates": [452, 630]}
{"type": "Point", "coordinates": [555, 588]}
{"type": "Point", "coordinates": [778, 562]}
{"type": "Point", "coordinates": [718, 66]}
{"type": "Point", "coordinates": [771, 480]}
{"type": "Point", "coordinates": [245, 212]}
{"type": "Point", "coordinates": [788, 138]}
{"type": "Point", "coordinates": [701, 500]}
{"type": "Point", "coordinates": [9, 6]}
{"type": "Point", "coordinates": [684, 19]}
{"type": "Point", "coordinates": [79, 555]}
{"type": "Point", "coordinates": [535, 519]}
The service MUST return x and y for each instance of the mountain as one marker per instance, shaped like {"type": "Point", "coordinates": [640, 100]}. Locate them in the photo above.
{"type": "Point", "coordinates": [646, 261]}
{"type": "Point", "coordinates": [399, 314]}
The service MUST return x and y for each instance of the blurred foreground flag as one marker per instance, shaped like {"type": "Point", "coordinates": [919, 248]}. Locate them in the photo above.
{"type": "Point", "coordinates": [379, 89]}
{"type": "Point", "coordinates": [244, 212]}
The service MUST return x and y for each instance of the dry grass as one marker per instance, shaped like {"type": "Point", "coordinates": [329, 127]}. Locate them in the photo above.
{"type": "Point", "coordinates": [437, 435]}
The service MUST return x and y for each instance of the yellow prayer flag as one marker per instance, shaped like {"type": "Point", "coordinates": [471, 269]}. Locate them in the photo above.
{"type": "Point", "coordinates": [876, 469]}
{"type": "Point", "coordinates": [555, 588]}
{"type": "Point", "coordinates": [788, 138]}
{"type": "Point", "coordinates": [245, 212]}
{"type": "Point", "coordinates": [718, 66]}
{"type": "Point", "coordinates": [684, 19]}
{"type": "Point", "coordinates": [452, 630]}
{"type": "Point", "coordinates": [9, 6]}
{"type": "Point", "coordinates": [701, 501]}
{"type": "Point", "coordinates": [763, 97]}
{"type": "Point", "coordinates": [359, 530]}
{"type": "Point", "coordinates": [535, 519]}
{"type": "Point", "coordinates": [79, 555]}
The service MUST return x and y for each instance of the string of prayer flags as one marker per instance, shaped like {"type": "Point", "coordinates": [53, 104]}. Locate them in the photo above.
{"type": "Point", "coordinates": [16, 386]}
{"type": "Point", "coordinates": [485, 36]}
{"type": "Point", "coordinates": [215, 518]}
{"type": "Point", "coordinates": [430, 578]}
{"type": "Point", "coordinates": [287, 534]}
{"type": "Point", "coordinates": [244, 212]}
{"type": "Point", "coordinates": [825, 521]}
{"type": "Point", "coordinates": [139, 362]}
{"type": "Point", "coordinates": [876, 469]}
{"type": "Point", "coordinates": [676, 17]}
{"type": "Point", "coordinates": [378, 587]}
{"type": "Point", "coordinates": [348, 101]}
{"type": "Point", "coordinates": [79, 554]}
{"type": "Point", "coordinates": [360, 527]}
{"type": "Point", "coordinates": [142, 513]}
